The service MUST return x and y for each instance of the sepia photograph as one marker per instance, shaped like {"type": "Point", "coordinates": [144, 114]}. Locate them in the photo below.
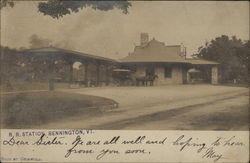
{"type": "Point", "coordinates": [124, 81]}
{"type": "Point", "coordinates": [125, 65]}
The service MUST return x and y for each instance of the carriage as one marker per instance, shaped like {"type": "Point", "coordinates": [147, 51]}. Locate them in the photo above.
{"type": "Point", "coordinates": [126, 77]}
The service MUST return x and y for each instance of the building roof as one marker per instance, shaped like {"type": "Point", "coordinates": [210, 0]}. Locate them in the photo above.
{"type": "Point", "coordinates": [155, 51]}
{"type": "Point", "coordinates": [60, 50]}
{"type": "Point", "coordinates": [201, 61]}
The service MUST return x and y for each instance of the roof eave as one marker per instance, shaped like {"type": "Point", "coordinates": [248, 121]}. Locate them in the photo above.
{"type": "Point", "coordinates": [70, 52]}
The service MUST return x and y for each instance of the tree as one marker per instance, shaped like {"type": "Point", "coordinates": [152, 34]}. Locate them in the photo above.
{"type": "Point", "coordinates": [16, 65]}
{"type": "Point", "coordinates": [9, 65]}
{"type": "Point", "coordinates": [5, 3]}
{"type": "Point", "coordinates": [231, 53]}
{"type": "Point", "coordinates": [59, 8]}
{"type": "Point", "coordinates": [37, 42]}
{"type": "Point", "coordinates": [244, 54]}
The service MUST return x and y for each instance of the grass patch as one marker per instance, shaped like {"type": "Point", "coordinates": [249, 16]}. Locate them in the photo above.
{"type": "Point", "coordinates": [27, 110]}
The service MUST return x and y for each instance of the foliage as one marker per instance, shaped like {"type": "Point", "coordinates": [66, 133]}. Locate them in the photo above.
{"type": "Point", "coordinates": [19, 66]}
{"type": "Point", "coordinates": [9, 62]}
{"type": "Point", "coordinates": [5, 3]}
{"type": "Point", "coordinates": [232, 54]}
{"type": "Point", "coordinates": [59, 8]}
{"type": "Point", "coordinates": [37, 42]}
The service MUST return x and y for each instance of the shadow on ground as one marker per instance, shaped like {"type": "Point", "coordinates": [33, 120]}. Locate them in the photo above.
{"type": "Point", "coordinates": [26, 110]}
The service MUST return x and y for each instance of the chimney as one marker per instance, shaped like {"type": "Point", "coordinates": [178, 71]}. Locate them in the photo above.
{"type": "Point", "coordinates": [144, 39]}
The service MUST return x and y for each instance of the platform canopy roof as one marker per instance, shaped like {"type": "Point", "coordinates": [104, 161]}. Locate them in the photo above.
{"type": "Point", "coordinates": [54, 52]}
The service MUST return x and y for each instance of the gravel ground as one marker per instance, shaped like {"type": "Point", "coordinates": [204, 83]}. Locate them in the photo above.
{"type": "Point", "coordinates": [189, 107]}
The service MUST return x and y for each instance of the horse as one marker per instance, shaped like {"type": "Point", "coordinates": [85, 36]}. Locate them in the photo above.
{"type": "Point", "coordinates": [140, 79]}
{"type": "Point", "coordinates": [145, 79]}
{"type": "Point", "coordinates": [150, 79]}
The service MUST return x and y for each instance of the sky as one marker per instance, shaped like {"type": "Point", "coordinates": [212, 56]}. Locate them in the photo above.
{"type": "Point", "coordinates": [113, 34]}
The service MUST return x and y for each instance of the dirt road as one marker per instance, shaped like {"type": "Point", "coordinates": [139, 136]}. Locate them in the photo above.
{"type": "Point", "coordinates": [188, 107]}
{"type": "Point", "coordinates": [225, 114]}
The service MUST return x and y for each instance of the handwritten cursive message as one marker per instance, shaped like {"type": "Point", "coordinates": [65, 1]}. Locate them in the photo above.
{"type": "Point", "coordinates": [115, 146]}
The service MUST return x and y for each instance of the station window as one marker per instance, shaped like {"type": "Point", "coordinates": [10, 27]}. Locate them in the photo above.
{"type": "Point", "coordinates": [168, 72]}
{"type": "Point", "coordinates": [150, 71]}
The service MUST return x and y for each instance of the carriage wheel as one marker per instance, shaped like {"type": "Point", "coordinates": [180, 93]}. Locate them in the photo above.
{"type": "Point", "coordinates": [128, 82]}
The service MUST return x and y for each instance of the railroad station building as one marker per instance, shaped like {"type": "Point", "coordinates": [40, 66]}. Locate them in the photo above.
{"type": "Point", "coordinates": [150, 58]}
{"type": "Point", "coordinates": [169, 63]}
